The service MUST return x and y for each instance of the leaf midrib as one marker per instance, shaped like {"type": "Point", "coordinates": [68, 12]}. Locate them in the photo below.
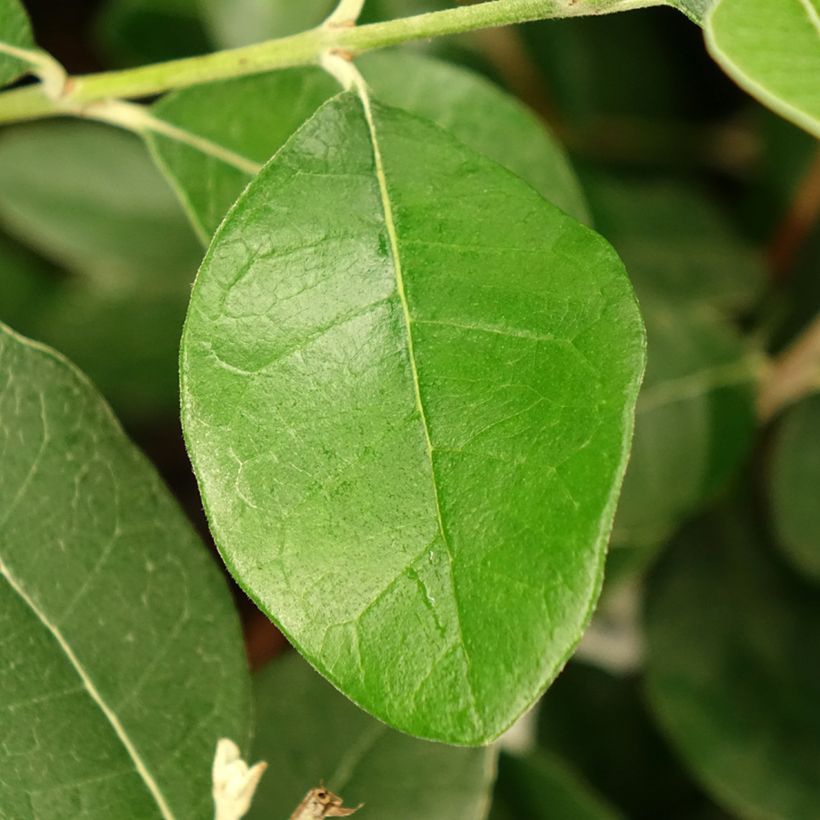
{"type": "Point", "coordinates": [390, 225]}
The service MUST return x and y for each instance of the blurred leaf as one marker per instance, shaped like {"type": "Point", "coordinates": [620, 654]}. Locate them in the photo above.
{"type": "Point", "coordinates": [772, 51]}
{"type": "Point", "coordinates": [26, 284]}
{"type": "Point", "coordinates": [310, 734]}
{"type": "Point", "coordinates": [473, 109]}
{"type": "Point", "coordinates": [15, 31]}
{"type": "Point", "coordinates": [540, 787]}
{"type": "Point", "coordinates": [236, 23]}
{"type": "Point", "coordinates": [732, 674]}
{"type": "Point", "coordinates": [795, 486]}
{"type": "Point", "coordinates": [615, 66]}
{"type": "Point", "coordinates": [695, 416]}
{"type": "Point", "coordinates": [121, 651]}
{"type": "Point", "coordinates": [134, 32]}
{"type": "Point", "coordinates": [598, 723]}
{"type": "Point", "coordinates": [305, 407]}
{"type": "Point", "coordinates": [241, 22]}
{"type": "Point", "coordinates": [89, 197]}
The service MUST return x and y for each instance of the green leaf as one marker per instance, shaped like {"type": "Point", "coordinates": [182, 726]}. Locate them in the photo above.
{"type": "Point", "coordinates": [731, 673]}
{"type": "Point", "coordinates": [236, 23]}
{"type": "Point", "coordinates": [695, 417]}
{"type": "Point", "coordinates": [89, 198]}
{"type": "Point", "coordinates": [541, 787]}
{"type": "Point", "coordinates": [121, 650]}
{"type": "Point", "coordinates": [251, 117]}
{"type": "Point", "coordinates": [26, 285]}
{"type": "Point", "coordinates": [482, 116]}
{"type": "Point", "coordinates": [772, 51]}
{"type": "Point", "coordinates": [473, 109]}
{"type": "Point", "coordinates": [135, 32]}
{"type": "Point", "coordinates": [586, 702]}
{"type": "Point", "coordinates": [15, 33]}
{"type": "Point", "coordinates": [794, 482]}
{"type": "Point", "coordinates": [409, 420]}
{"type": "Point", "coordinates": [309, 734]}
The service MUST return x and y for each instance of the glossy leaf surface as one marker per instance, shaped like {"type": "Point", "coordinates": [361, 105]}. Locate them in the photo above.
{"type": "Point", "coordinates": [121, 655]}
{"type": "Point", "coordinates": [15, 31]}
{"type": "Point", "coordinates": [772, 51]}
{"type": "Point", "coordinates": [795, 486]}
{"type": "Point", "coordinates": [731, 673]}
{"type": "Point", "coordinates": [409, 420]}
{"type": "Point", "coordinates": [254, 117]}
{"type": "Point", "coordinates": [310, 734]}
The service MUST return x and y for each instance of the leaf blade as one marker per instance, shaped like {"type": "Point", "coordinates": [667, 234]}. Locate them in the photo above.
{"type": "Point", "coordinates": [15, 32]}
{"type": "Point", "coordinates": [277, 297]}
{"type": "Point", "coordinates": [81, 569]}
{"type": "Point", "coordinates": [772, 51]}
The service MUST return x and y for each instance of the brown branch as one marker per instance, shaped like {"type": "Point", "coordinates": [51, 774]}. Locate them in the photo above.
{"type": "Point", "coordinates": [794, 374]}
{"type": "Point", "coordinates": [797, 224]}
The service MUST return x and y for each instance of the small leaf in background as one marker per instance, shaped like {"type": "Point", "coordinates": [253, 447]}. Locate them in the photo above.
{"type": "Point", "coordinates": [135, 32]}
{"type": "Point", "coordinates": [121, 655]}
{"type": "Point", "coordinates": [236, 23]}
{"type": "Point", "coordinates": [732, 674]}
{"type": "Point", "coordinates": [409, 421]}
{"type": "Point", "coordinates": [586, 702]}
{"type": "Point", "coordinates": [310, 734]}
{"type": "Point", "coordinates": [795, 486]}
{"type": "Point", "coordinates": [695, 418]}
{"type": "Point", "coordinates": [88, 198]}
{"type": "Point", "coordinates": [772, 51]}
{"type": "Point", "coordinates": [253, 117]}
{"type": "Point", "coordinates": [15, 31]}
{"type": "Point", "coordinates": [541, 787]}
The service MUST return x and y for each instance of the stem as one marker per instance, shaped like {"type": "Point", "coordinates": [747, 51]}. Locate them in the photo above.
{"type": "Point", "coordinates": [793, 375]}
{"type": "Point", "coordinates": [298, 50]}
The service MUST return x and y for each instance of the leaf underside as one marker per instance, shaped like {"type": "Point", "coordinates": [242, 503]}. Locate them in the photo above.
{"type": "Point", "coordinates": [772, 50]}
{"type": "Point", "coordinates": [15, 31]}
{"type": "Point", "coordinates": [408, 385]}
{"type": "Point", "coordinates": [121, 654]}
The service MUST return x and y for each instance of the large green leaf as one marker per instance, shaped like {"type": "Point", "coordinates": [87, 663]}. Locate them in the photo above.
{"type": "Point", "coordinates": [408, 385]}
{"type": "Point", "coordinates": [795, 486]}
{"type": "Point", "coordinates": [732, 672]}
{"type": "Point", "coordinates": [89, 198]}
{"type": "Point", "coordinates": [695, 417]}
{"type": "Point", "coordinates": [541, 787]}
{"type": "Point", "coordinates": [15, 31]}
{"type": "Point", "coordinates": [309, 734]}
{"type": "Point", "coordinates": [121, 654]}
{"type": "Point", "coordinates": [257, 115]}
{"type": "Point", "coordinates": [772, 50]}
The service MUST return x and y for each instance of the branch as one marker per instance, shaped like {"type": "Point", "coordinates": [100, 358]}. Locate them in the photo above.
{"type": "Point", "coordinates": [307, 48]}
{"type": "Point", "coordinates": [793, 375]}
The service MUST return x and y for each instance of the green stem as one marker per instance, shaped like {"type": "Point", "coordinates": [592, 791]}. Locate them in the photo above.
{"type": "Point", "coordinates": [299, 50]}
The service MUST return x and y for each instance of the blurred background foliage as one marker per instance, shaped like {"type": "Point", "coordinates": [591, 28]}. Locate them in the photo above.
{"type": "Point", "coordinates": [696, 693]}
